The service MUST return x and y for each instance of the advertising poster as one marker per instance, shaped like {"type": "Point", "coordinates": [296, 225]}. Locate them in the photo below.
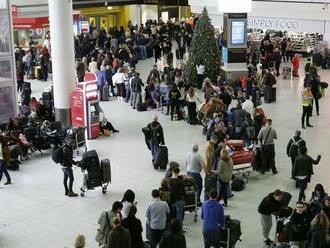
{"type": "Point", "coordinates": [92, 21]}
{"type": "Point", "coordinates": [7, 104]}
{"type": "Point", "coordinates": [104, 22]}
{"type": "Point", "coordinates": [5, 69]}
{"type": "Point", "coordinates": [4, 34]}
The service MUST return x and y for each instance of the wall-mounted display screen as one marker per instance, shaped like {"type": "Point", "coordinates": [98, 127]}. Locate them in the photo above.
{"type": "Point", "coordinates": [238, 32]}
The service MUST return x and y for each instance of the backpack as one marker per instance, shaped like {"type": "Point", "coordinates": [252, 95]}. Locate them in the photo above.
{"type": "Point", "coordinates": [294, 148]}
{"type": "Point", "coordinates": [58, 155]}
{"type": "Point", "coordinates": [237, 184]}
{"type": "Point", "coordinates": [251, 132]}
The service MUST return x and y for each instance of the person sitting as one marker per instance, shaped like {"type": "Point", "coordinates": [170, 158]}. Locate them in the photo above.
{"type": "Point", "coordinates": [317, 199]}
{"type": "Point", "coordinates": [173, 237]}
{"type": "Point", "coordinates": [105, 126]}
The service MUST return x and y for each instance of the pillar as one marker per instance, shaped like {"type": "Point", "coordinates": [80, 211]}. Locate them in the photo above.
{"type": "Point", "coordinates": [63, 58]}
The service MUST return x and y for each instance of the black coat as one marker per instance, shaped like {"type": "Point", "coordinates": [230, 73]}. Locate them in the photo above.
{"type": "Point", "coordinates": [171, 240]}
{"type": "Point", "coordinates": [269, 205]}
{"type": "Point", "coordinates": [135, 229]}
{"type": "Point", "coordinates": [317, 238]}
{"type": "Point", "coordinates": [303, 166]}
{"type": "Point", "coordinates": [296, 139]}
{"type": "Point", "coordinates": [299, 226]}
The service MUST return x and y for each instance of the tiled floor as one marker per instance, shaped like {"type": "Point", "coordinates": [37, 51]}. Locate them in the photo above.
{"type": "Point", "coordinates": [35, 213]}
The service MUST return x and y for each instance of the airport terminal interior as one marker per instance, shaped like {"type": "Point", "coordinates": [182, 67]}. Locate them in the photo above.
{"type": "Point", "coordinates": [82, 76]}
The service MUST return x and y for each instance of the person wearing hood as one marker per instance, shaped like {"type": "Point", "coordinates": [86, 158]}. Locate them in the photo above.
{"type": "Point", "coordinates": [213, 219]}
{"type": "Point", "coordinates": [271, 204]}
{"type": "Point", "coordinates": [292, 149]}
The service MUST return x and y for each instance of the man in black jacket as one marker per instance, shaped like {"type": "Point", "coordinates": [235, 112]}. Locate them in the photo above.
{"type": "Point", "coordinates": [67, 170]}
{"type": "Point", "coordinates": [303, 170]}
{"type": "Point", "coordinates": [299, 226]}
{"type": "Point", "coordinates": [155, 137]}
{"type": "Point", "coordinates": [136, 88]}
{"type": "Point", "coordinates": [292, 149]}
{"type": "Point", "coordinates": [269, 205]}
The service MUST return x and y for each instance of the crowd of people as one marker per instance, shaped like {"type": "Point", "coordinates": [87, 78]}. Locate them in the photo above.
{"type": "Point", "coordinates": [225, 114]}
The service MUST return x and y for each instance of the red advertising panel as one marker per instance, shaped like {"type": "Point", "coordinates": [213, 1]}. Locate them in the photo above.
{"type": "Point", "coordinates": [77, 109]}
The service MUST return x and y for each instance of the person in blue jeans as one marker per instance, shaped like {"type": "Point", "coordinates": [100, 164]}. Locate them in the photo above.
{"type": "Point", "coordinates": [156, 137]}
{"type": "Point", "coordinates": [176, 186]}
{"type": "Point", "coordinates": [3, 170]}
{"type": "Point", "coordinates": [213, 220]}
{"type": "Point", "coordinates": [67, 170]}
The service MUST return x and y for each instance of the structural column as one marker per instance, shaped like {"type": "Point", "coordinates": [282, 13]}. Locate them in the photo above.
{"type": "Point", "coordinates": [63, 58]}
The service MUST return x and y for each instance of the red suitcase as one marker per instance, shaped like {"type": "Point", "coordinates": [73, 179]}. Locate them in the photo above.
{"type": "Point", "coordinates": [242, 157]}
{"type": "Point", "coordinates": [235, 145]}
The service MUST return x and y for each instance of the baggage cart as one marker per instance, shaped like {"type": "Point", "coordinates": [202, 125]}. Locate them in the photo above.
{"type": "Point", "coordinates": [190, 197]}
{"type": "Point", "coordinates": [95, 174]}
{"type": "Point", "coordinates": [286, 73]}
{"type": "Point", "coordinates": [231, 233]}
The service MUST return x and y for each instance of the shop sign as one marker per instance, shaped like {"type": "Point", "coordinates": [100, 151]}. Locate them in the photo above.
{"type": "Point", "coordinates": [283, 24]}
{"type": "Point", "coordinates": [14, 10]}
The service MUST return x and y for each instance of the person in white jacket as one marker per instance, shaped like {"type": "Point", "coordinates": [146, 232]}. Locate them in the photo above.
{"type": "Point", "coordinates": [248, 105]}
{"type": "Point", "coordinates": [119, 80]}
{"type": "Point", "coordinates": [92, 66]}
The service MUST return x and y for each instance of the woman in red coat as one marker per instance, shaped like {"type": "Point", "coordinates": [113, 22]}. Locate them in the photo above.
{"type": "Point", "coordinates": [295, 64]}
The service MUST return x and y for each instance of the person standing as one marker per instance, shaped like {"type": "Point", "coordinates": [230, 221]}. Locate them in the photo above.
{"type": "Point", "coordinates": [292, 149]}
{"type": "Point", "coordinates": [156, 137]}
{"type": "Point", "coordinates": [269, 205]}
{"type": "Point", "coordinates": [319, 231]}
{"type": "Point", "coordinates": [176, 187]}
{"type": "Point", "coordinates": [283, 49]}
{"type": "Point", "coordinates": [195, 164]}
{"type": "Point", "coordinates": [314, 80]}
{"type": "Point", "coordinates": [135, 228]}
{"type": "Point", "coordinates": [225, 173]}
{"type": "Point", "coordinates": [307, 98]}
{"type": "Point", "coordinates": [174, 96]}
{"type": "Point", "coordinates": [119, 236]}
{"type": "Point", "coordinates": [157, 212]}
{"type": "Point", "coordinates": [67, 163]}
{"type": "Point", "coordinates": [277, 57]}
{"type": "Point", "coordinates": [80, 70]}
{"type": "Point", "coordinates": [3, 170]}
{"type": "Point", "coordinates": [300, 223]}
{"type": "Point", "coordinates": [173, 237]}
{"type": "Point", "coordinates": [108, 76]}
{"type": "Point", "coordinates": [295, 65]}
{"type": "Point", "coordinates": [213, 218]}
{"type": "Point", "coordinates": [267, 135]}
{"type": "Point", "coordinates": [119, 80]}
{"type": "Point", "coordinates": [192, 100]}
{"type": "Point", "coordinates": [136, 86]}
{"type": "Point", "coordinates": [92, 66]}
{"type": "Point", "coordinates": [303, 171]}
{"type": "Point", "coordinates": [200, 75]}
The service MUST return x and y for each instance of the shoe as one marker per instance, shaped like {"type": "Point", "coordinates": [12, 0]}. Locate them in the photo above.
{"type": "Point", "coordinates": [66, 193]}
{"type": "Point", "coordinates": [318, 114]}
{"type": "Point", "coordinates": [8, 182]}
{"type": "Point", "coordinates": [267, 242]}
{"type": "Point", "coordinates": [303, 127]}
{"type": "Point", "coordinates": [72, 194]}
{"type": "Point", "coordinates": [115, 131]}
{"type": "Point", "coordinates": [309, 125]}
{"type": "Point", "coordinates": [275, 172]}
{"type": "Point", "coordinates": [199, 204]}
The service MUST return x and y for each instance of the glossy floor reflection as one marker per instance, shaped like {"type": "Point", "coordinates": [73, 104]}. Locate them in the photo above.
{"type": "Point", "coordinates": [35, 213]}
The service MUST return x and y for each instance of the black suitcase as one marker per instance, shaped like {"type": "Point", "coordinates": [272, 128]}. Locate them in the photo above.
{"type": "Point", "coordinates": [232, 232]}
{"type": "Point", "coordinates": [150, 52]}
{"type": "Point", "coordinates": [161, 160]}
{"type": "Point", "coordinates": [141, 107]}
{"type": "Point", "coordinates": [105, 93]}
{"type": "Point", "coordinates": [90, 159]}
{"type": "Point", "coordinates": [47, 95]}
{"type": "Point", "coordinates": [273, 99]}
{"type": "Point", "coordinates": [106, 170]}
{"type": "Point", "coordinates": [317, 59]}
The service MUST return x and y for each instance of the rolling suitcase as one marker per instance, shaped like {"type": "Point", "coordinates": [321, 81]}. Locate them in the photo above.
{"type": "Point", "coordinates": [161, 160]}
{"type": "Point", "coordinates": [273, 99]}
{"type": "Point", "coordinates": [150, 52]}
{"type": "Point", "coordinates": [106, 170]}
{"type": "Point", "coordinates": [141, 107]}
{"type": "Point", "coordinates": [90, 159]}
{"type": "Point", "coordinates": [105, 93]}
{"type": "Point", "coordinates": [232, 232]}
{"type": "Point", "coordinates": [235, 145]}
{"type": "Point", "coordinates": [242, 157]}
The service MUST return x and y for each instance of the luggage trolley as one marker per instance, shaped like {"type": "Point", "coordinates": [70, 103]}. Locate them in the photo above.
{"type": "Point", "coordinates": [76, 138]}
{"type": "Point", "coordinates": [190, 197]}
{"type": "Point", "coordinates": [163, 91]}
{"type": "Point", "coordinates": [286, 74]}
{"type": "Point", "coordinates": [95, 174]}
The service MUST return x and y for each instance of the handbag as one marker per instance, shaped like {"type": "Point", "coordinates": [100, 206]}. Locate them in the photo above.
{"type": "Point", "coordinates": [263, 145]}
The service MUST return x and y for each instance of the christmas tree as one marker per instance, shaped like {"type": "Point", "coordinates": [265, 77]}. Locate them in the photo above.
{"type": "Point", "coordinates": [203, 50]}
